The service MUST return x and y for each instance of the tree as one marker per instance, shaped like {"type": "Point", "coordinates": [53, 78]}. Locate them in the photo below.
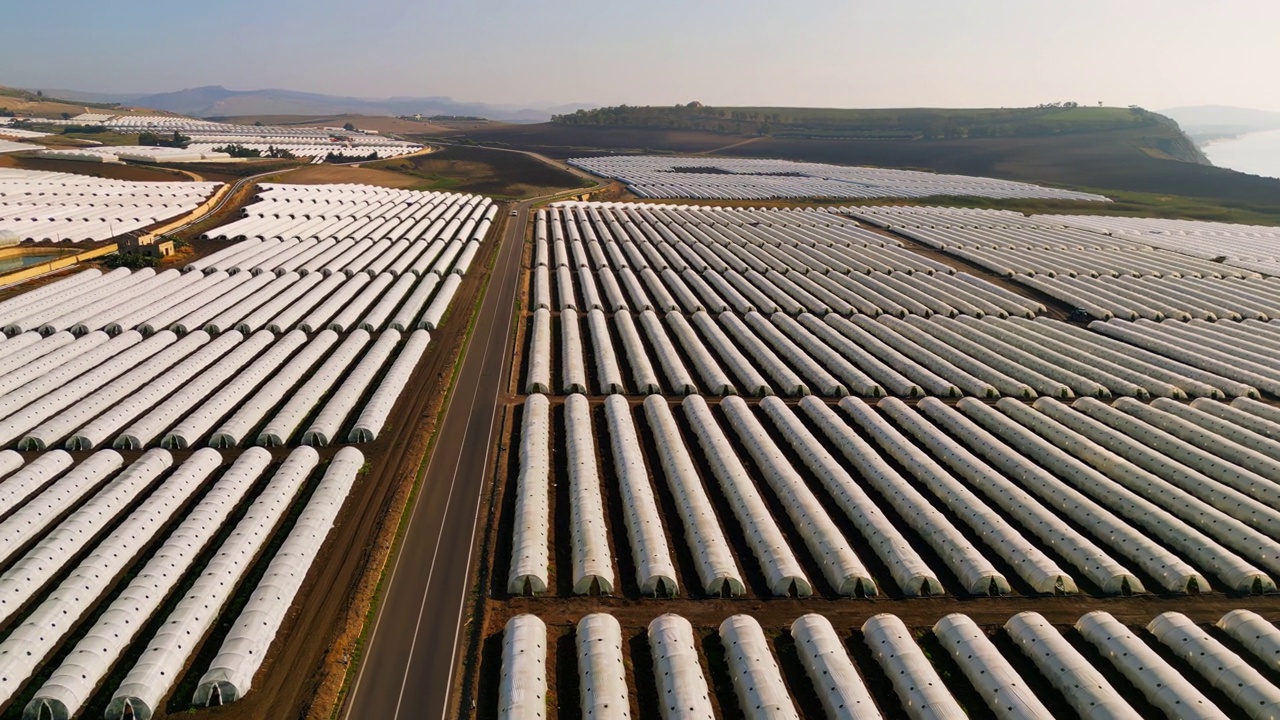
{"type": "Point", "coordinates": [349, 127]}
{"type": "Point", "coordinates": [239, 151]}
{"type": "Point", "coordinates": [157, 140]}
{"type": "Point", "coordinates": [66, 116]}
{"type": "Point", "coordinates": [39, 93]}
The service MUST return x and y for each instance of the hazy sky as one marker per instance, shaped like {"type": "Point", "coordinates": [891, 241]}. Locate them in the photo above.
{"type": "Point", "coordinates": [838, 53]}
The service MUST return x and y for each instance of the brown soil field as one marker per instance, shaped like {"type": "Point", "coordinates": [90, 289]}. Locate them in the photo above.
{"type": "Point", "coordinates": [230, 172]}
{"type": "Point", "coordinates": [564, 141]}
{"type": "Point", "coordinates": [103, 170]}
{"type": "Point", "coordinates": [484, 171]}
{"type": "Point", "coordinates": [327, 174]}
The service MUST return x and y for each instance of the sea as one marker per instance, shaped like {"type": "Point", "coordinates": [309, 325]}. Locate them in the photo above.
{"type": "Point", "coordinates": [1255, 153]}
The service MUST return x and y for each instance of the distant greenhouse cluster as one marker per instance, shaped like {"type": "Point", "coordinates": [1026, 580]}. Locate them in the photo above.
{"type": "Point", "coordinates": [766, 179]}
{"type": "Point", "coordinates": [1253, 247]}
{"type": "Point", "coordinates": [119, 342]}
{"type": "Point", "coordinates": [310, 150]}
{"type": "Point", "coordinates": [8, 146]}
{"type": "Point", "coordinates": [1106, 267]}
{"type": "Point", "coordinates": [207, 140]}
{"type": "Point", "coordinates": [19, 133]}
{"type": "Point", "coordinates": [334, 215]}
{"type": "Point", "coordinates": [39, 206]}
{"type": "Point", "coordinates": [134, 153]}
{"type": "Point", "coordinates": [302, 141]}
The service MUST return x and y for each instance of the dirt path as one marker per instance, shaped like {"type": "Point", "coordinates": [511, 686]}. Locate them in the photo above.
{"type": "Point", "coordinates": [740, 143]}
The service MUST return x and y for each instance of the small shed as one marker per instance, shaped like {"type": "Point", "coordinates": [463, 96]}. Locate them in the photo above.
{"type": "Point", "coordinates": [148, 246]}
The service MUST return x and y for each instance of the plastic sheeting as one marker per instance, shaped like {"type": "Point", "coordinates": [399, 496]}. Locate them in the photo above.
{"type": "Point", "coordinates": [592, 560]}
{"type": "Point", "coordinates": [757, 683]}
{"type": "Point", "coordinates": [199, 421]}
{"type": "Point", "coordinates": [53, 499]}
{"type": "Point", "coordinates": [324, 429]}
{"type": "Point", "coordinates": [522, 689]}
{"type": "Point", "coordinates": [1253, 632]}
{"type": "Point", "coordinates": [782, 570]}
{"type": "Point", "coordinates": [682, 689]}
{"type": "Point", "coordinates": [716, 566]}
{"type": "Point", "coordinates": [374, 415]}
{"type": "Point", "coordinates": [1085, 689]}
{"type": "Point", "coordinates": [655, 572]}
{"type": "Point", "coordinates": [907, 568]}
{"type": "Point", "coordinates": [1249, 689]}
{"type": "Point", "coordinates": [254, 410]}
{"type": "Point", "coordinates": [72, 683]}
{"type": "Point", "coordinates": [130, 400]}
{"type": "Point", "coordinates": [73, 533]}
{"type": "Point", "coordinates": [602, 675]}
{"type": "Point", "coordinates": [159, 665]}
{"type": "Point", "coordinates": [538, 378]}
{"type": "Point", "coordinates": [840, 564]}
{"type": "Point", "coordinates": [975, 572]}
{"type": "Point", "coordinates": [44, 627]}
{"type": "Point", "coordinates": [530, 557]}
{"type": "Point", "coordinates": [1091, 560]}
{"type": "Point", "coordinates": [231, 673]}
{"type": "Point", "coordinates": [1147, 502]}
{"type": "Point", "coordinates": [1040, 571]}
{"type": "Point", "coordinates": [843, 694]}
{"type": "Point", "coordinates": [144, 430]}
{"type": "Point", "coordinates": [921, 693]}
{"type": "Point", "coordinates": [1158, 681]}
{"type": "Point", "coordinates": [28, 479]}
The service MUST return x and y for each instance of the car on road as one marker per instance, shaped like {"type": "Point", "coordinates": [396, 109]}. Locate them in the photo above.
{"type": "Point", "coordinates": [515, 213]}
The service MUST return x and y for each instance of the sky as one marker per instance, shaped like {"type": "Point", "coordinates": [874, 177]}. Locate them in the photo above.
{"type": "Point", "coordinates": [826, 53]}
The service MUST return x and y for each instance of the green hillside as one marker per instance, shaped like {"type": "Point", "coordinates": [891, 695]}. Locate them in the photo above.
{"type": "Point", "coordinates": [1109, 150]}
{"type": "Point", "coordinates": [890, 124]}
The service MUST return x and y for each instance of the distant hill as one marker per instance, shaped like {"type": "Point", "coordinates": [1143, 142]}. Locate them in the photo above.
{"type": "Point", "coordinates": [47, 104]}
{"type": "Point", "coordinates": [1216, 122]}
{"type": "Point", "coordinates": [880, 124]}
{"type": "Point", "coordinates": [215, 100]}
{"type": "Point", "coordinates": [1104, 149]}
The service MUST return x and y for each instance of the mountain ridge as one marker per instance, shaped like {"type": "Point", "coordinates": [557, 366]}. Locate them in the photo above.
{"type": "Point", "coordinates": [217, 100]}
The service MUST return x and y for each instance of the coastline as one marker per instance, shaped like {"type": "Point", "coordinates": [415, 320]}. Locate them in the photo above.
{"type": "Point", "coordinates": [1254, 153]}
{"type": "Point", "coordinates": [1202, 144]}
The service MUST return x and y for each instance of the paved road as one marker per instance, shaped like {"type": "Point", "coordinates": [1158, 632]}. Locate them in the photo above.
{"type": "Point", "coordinates": [407, 666]}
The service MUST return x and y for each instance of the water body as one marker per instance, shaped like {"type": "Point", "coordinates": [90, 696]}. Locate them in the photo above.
{"type": "Point", "coordinates": [1255, 153]}
{"type": "Point", "coordinates": [18, 262]}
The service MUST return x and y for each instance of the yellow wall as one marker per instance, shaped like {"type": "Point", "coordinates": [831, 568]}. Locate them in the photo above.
{"type": "Point", "coordinates": [65, 261]}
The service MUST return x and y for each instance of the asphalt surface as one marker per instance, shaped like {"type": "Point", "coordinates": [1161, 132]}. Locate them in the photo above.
{"type": "Point", "coordinates": [407, 667]}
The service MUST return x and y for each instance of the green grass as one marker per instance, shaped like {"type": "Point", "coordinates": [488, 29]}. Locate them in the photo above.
{"type": "Point", "coordinates": [1088, 114]}
{"type": "Point", "coordinates": [106, 138]}
{"type": "Point", "coordinates": [498, 174]}
{"type": "Point", "coordinates": [892, 123]}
